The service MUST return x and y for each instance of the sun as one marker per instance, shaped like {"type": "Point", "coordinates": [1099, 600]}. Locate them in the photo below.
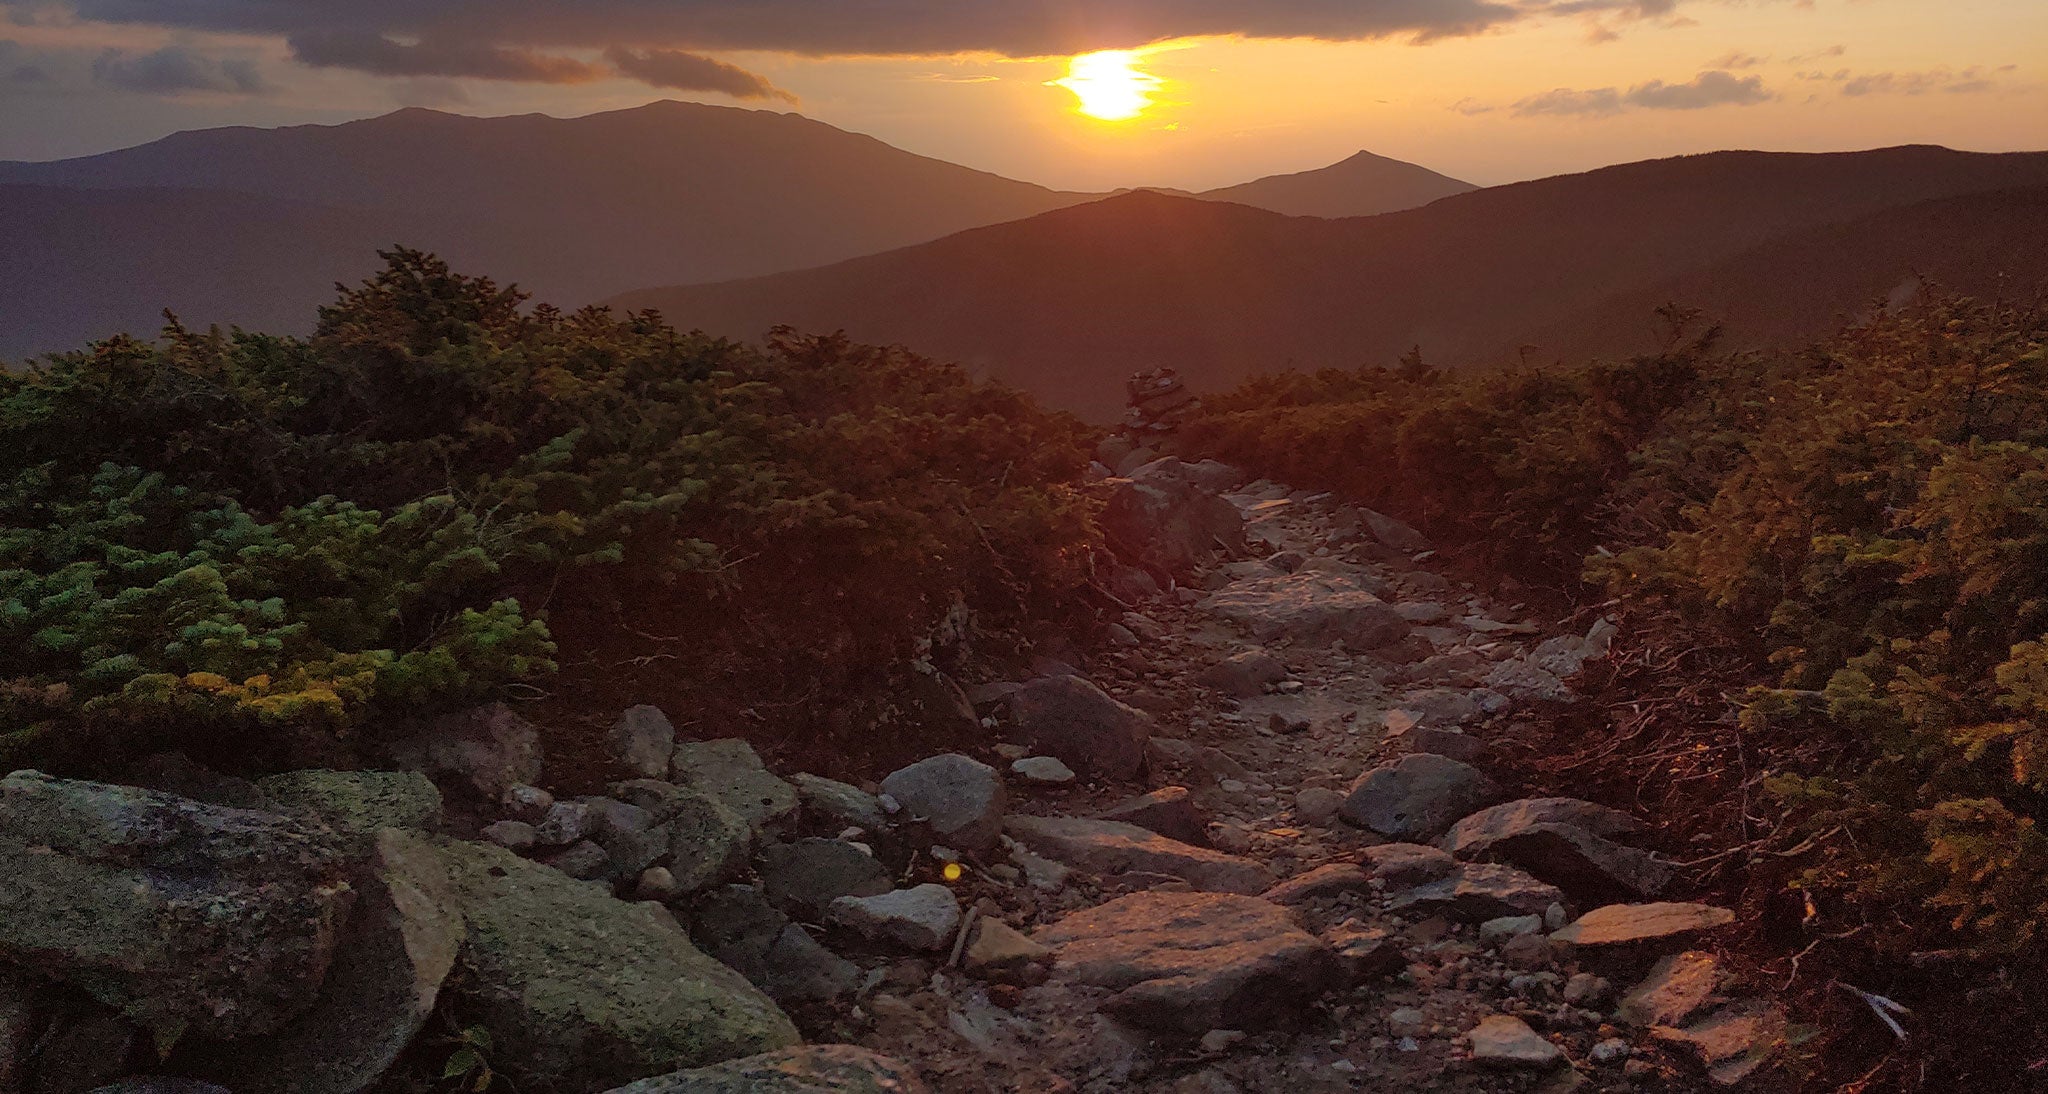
{"type": "Point", "coordinates": [1110, 84]}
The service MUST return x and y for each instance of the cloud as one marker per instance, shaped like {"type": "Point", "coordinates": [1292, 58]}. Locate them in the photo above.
{"type": "Point", "coordinates": [375, 53]}
{"type": "Point", "coordinates": [1970, 81]}
{"type": "Point", "coordinates": [174, 70]}
{"type": "Point", "coordinates": [693, 72]}
{"type": "Point", "coordinates": [1707, 89]}
{"type": "Point", "coordinates": [1736, 60]}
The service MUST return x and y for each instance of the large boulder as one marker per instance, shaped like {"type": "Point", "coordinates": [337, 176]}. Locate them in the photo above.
{"type": "Point", "coordinates": [1309, 607]}
{"type": "Point", "coordinates": [737, 925]}
{"type": "Point", "coordinates": [1416, 796]}
{"type": "Point", "coordinates": [399, 946]}
{"type": "Point", "coordinates": [1169, 525]}
{"type": "Point", "coordinates": [211, 919]}
{"type": "Point", "coordinates": [730, 771]}
{"type": "Point", "coordinates": [835, 802]}
{"type": "Point", "coordinates": [708, 842]}
{"type": "Point", "coordinates": [808, 1069]}
{"type": "Point", "coordinates": [1169, 811]}
{"type": "Point", "coordinates": [810, 874]}
{"type": "Point", "coordinates": [1643, 924]}
{"type": "Point", "coordinates": [484, 752]}
{"type": "Point", "coordinates": [924, 917]}
{"type": "Point", "coordinates": [1109, 848]}
{"type": "Point", "coordinates": [1590, 868]}
{"type": "Point", "coordinates": [1474, 892]}
{"type": "Point", "coordinates": [1068, 717]}
{"type": "Point", "coordinates": [581, 992]}
{"type": "Point", "coordinates": [358, 803]}
{"type": "Point", "coordinates": [644, 741]}
{"type": "Point", "coordinates": [960, 798]}
{"type": "Point", "coordinates": [1188, 963]}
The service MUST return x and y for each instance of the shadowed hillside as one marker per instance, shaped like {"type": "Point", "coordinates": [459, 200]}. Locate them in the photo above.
{"type": "Point", "coordinates": [1363, 185]}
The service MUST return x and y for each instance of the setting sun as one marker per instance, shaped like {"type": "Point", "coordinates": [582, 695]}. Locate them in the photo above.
{"type": "Point", "coordinates": [1110, 84]}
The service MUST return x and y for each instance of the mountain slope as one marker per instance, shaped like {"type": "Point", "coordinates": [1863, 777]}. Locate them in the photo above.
{"type": "Point", "coordinates": [1363, 185]}
{"type": "Point", "coordinates": [1067, 303]}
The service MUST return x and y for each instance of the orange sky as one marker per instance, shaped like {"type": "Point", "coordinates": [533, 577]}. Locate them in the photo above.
{"type": "Point", "coordinates": [1540, 94]}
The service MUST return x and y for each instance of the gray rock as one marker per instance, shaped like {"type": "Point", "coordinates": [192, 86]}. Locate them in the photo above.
{"type": "Point", "coordinates": [1502, 1040]}
{"type": "Point", "coordinates": [1169, 811]}
{"type": "Point", "coordinates": [1393, 533]}
{"type": "Point", "coordinates": [810, 874]}
{"type": "Point", "coordinates": [1519, 679]}
{"type": "Point", "coordinates": [1416, 796]}
{"type": "Point", "coordinates": [1244, 675]}
{"type": "Point", "coordinates": [632, 852]}
{"type": "Point", "coordinates": [177, 913]}
{"type": "Point", "coordinates": [809, 1069]}
{"type": "Point", "coordinates": [1584, 865]}
{"type": "Point", "coordinates": [1677, 989]}
{"type": "Point", "coordinates": [518, 837]}
{"type": "Point", "coordinates": [656, 883]}
{"type": "Point", "coordinates": [922, 918]}
{"type": "Point", "coordinates": [1044, 770]}
{"type": "Point", "coordinates": [1310, 607]}
{"type": "Point", "coordinates": [1406, 865]}
{"type": "Point", "coordinates": [485, 751]}
{"type": "Point", "coordinates": [1169, 525]}
{"type": "Point", "coordinates": [1068, 717]}
{"type": "Point", "coordinates": [1474, 832]}
{"type": "Point", "coordinates": [961, 799]}
{"type": "Point", "coordinates": [399, 945]}
{"type": "Point", "coordinates": [838, 803]}
{"type": "Point", "coordinates": [659, 797]}
{"type": "Point", "coordinates": [1321, 883]}
{"type": "Point", "coordinates": [730, 771]}
{"type": "Point", "coordinates": [1317, 805]}
{"type": "Point", "coordinates": [527, 803]}
{"type": "Point", "coordinates": [1110, 848]}
{"type": "Point", "coordinates": [708, 842]}
{"type": "Point", "coordinates": [566, 823]}
{"type": "Point", "coordinates": [1636, 924]}
{"type": "Point", "coordinates": [358, 803]}
{"type": "Point", "coordinates": [644, 741]}
{"type": "Point", "coordinates": [1475, 892]}
{"type": "Point", "coordinates": [584, 861]}
{"type": "Point", "coordinates": [1500, 930]}
{"type": "Point", "coordinates": [609, 817]}
{"type": "Point", "coordinates": [1187, 963]}
{"type": "Point", "coordinates": [1449, 743]}
{"type": "Point", "coordinates": [581, 992]}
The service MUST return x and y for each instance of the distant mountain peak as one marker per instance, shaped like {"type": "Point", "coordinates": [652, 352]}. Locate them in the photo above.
{"type": "Point", "coordinates": [1364, 183]}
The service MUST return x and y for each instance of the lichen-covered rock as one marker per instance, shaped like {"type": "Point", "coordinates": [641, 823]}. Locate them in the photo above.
{"type": "Point", "coordinates": [730, 771]}
{"type": "Point", "coordinates": [838, 803]}
{"type": "Point", "coordinates": [582, 992]}
{"type": "Point", "coordinates": [960, 798]}
{"type": "Point", "coordinates": [810, 1069]}
{"type": "Point", "coordinates": [217, 920]}
{"type": "Point", "coordinates": [708, 842]}
{"type": "Point", "coordinates": [924, 917]}
{"type": "Point", "coordinates": [358, 803]}
{"type": "Point", "coordinates": [812, 873]}
{"type": "Point", "coordinates": [485, 751]}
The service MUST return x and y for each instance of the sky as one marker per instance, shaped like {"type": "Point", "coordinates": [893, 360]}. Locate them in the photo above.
{"type": "Point", "coordinates": [1199, 93]}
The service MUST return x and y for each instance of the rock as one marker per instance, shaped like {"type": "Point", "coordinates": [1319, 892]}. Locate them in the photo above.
{"type": "Point", "coordinates": [1169, 811]}
{"type": "Point", "coordinates": [1042, 874]}
{"type": "Point", "coordinates": [485, 751]}
{"type": "Point", "coordinates": [656, 883]}
{"type": "Point", "coordinates": [1509, 926]}
{"type": "Point", "coordinates": [1243, 676]}
{"type": "Point", "coordinates": [1109, 848]}
{"type": "Point", "coordinates": [1406, 865]}
{"type": "Point", "coordinates": [1521, 680]}
{"type": "Point", "coordinates": [178, 774]}
{"type": "Point", "coordinates": [1502, 1040]}
{"type": "Point", "coordinates": [659, 798]}
{"type": "Point", "coordinates": [996, 945]}
{"type": "Point", "coordinates": [159, 1084]}
{"type": "Point", "coordinates": [633, 852]}
{"type": "Point", "coordinates": [399, 945]}
{"type": "Point", "coordinates": [1129, 584]}
{"type": "Point", "coordinates": [708, 841]}
{"type": "Point", "coordinates": [730, 771]}
{"type": "Point", "coordinates": [838, 803]}
{"type": "Point", "coordinates": [527, 803]}
{"type": "Point", "coordinates": [518, 837]}
{"type": "Point", "coordinates": [1575, 860]}
{"type": "Point", "coordinates": [1393, 533]}
{"type": "Point", "coordinates": [1448, 743]}
{"type": "Point", "coordinates": [82, 1052]}
{"type": "Point", "coordinates": [358, 803]}
{"type": "Point", "coordinates": [611, 817]}
{"type": "Point", "coordinates": [1044, 770]}
{"type": "Point", "coordinates": [808, 1069]}
{"type": "Point", "coordinates": [20, 1000]}
{"type": "Point", "coordinates": [1406, 1022]}
{"type": "Point", "coordinates": [1531, 952]}
{"type": "Point", "coordinates": [1321, 883]}
{"type": "Point", "coordinates": [582, 992]}
{"type": "Point", "coordinates": [961, 799]}
{"type": "Point", "coordinates": [1730, 1044]}
{"type": "Point", "coordinates": [1678, 989]}
{"type": "Point", "coordinates": [1068, 717]}
{"type": "Point", "coordinates": [644, 741]}
{"type": "Point", "coordinates": [1476, 892]}
{"type": "Point", "coordinates": [566, 823]}
{"type": "Point", "coordinates": [1309, 607]}
{"type": "Point", "coordinates": [1623, 924]}
{"type": "Point", "coordinates": [1134, 459]}
{"type": "Point", "coordinates": [1437, 708]}
{"type": "Point", "coordinates": [1187, 963]}
{"type": "Point", "coordinates": [584, 861]}
{"type": "Point", "coordinates": [796, 969]}
{"type": "Point", "coordinates": [1365, 953]}
{"type": "Point", "coordinates": [219, 920]}
{"type": "Point", "coordinates": [1473, 833]}
{"type": "Point", "coordinates": [1585, 989]}
{"type": "Point", "coordinates": [737, 925]}
{"type": "Point", "coordinates": [1144, 626]}
{"type": "Point", "coordinates": [922, 918]}
{"type": "Point", "coordinates": [1612, 1050]}
{"type": "Point", "coordinates": [1317, 805]}
{"type": "Point", "coordinates": [1169, 525]}
{"type": "Point", "coordinates": [1416, 796]}
{"type": "Point", "coordinates": [810, 874]}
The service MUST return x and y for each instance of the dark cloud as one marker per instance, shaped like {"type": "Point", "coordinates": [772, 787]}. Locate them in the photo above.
{"type": "Point", "coordinates": [375, 53]}
{"type": "Point", "coordinates": [173, 70]}
{"type": "Point", "coordinates": [685, 71]}
{"type": "Point", "coordinates": [1702, 91]}
{"type": "Point", "coordinates": [1967, 82]}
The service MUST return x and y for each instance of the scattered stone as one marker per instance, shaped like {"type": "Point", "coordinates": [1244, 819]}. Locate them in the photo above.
{"type": "Point", "coordinates": [1310, 607]}
{"type": "Point", "coordinates": [1045, 770]}
{"type": "Point", "coordinates": [810, 874]}
{"type": "Point", "coordinates": [1612, 1050]}
{"type": "Point", "coordinates": [1365, 953]}
{"type": "Point", "coordinates": [175, 912]}
{"type": "Point", "coordinates": [1449, 743]}
{"type": "Point", "coordinates": [1406, 865]}
{"type": "Point", "coordinates": [566, 823]}
{"type": "Point", "coordinates": [1068, 717]}
{"type": "Point", "coordinates": [1585, 989]}
{"type": "Point", "coordinates": [1321, 883]}
{"type": "Point", "coordinates": [1406, 1022]}
{"type": "Point", "coordinates": [358, 803]}
{"type": "Point", "coordinates": [1168, 524]}
{"type": "Point", "coordinates": [1245, 675]}
{"type": "Point", "coordinates": [1622, 924]}
{"type": "Point", "coordinates": [609, 817]}
{"type": "Point", "coordinates": [1169, 811]}
{"type": "Point", "coordinates": [961, 799]}
{"type": "Point", "coordinates": [807, 1069]}
{"type": "Point", "coordinates": [1502, 1040]}
{"type": "Point", "coordinates": [1475, 832]}
{"type": "Point", "coordinates": [997, 946]}
{"type": "Point", "coordinates": [1521, 680]}
{"type": "Point", "coordinates": [1530, 952]}
{"type": "Point", "coordinates": [1587, 866]}
{"type": "Point", "coordinates": [1187, 963]}
{"type": "Point", "coordinates": [1317, 805]}
{"type": "Point", "coordinates": [922, 918]}
{"type": "Point", "coordinates": [527, 803]}
{"type": "Point", "coordinates": [584, 861]}
{"type": "Point", "coordinates": [730, 771]}
{"type": "Point", "coordinates": [1416, 796]}
{"type": "Point", "coordinates": [657, 883]}
{"type": "Point", "coordinates": [580, 990]}
{"type": "Point", "coordinates": [1109, 848]}
{"type": "Point", "coordinates": [518, 837]}
{"type": "Point", "coordinates": [1393, 533]}
{"type": "Point", "coordinates": [485, 751]}
{"type": "Point", "coordinates": [1731, 1044]}
{"type": "Point", "coordinates": [708, 841]}
{"type": "Point", "coordinates": [1042, 874]}
{"type": "Point", "coordinates": [644, 741]}
{"type": "Point", "coordinates": [838, 803]}
{"type": "Point", "coordinates": [1678, 989]}
{"type": "Point", "coordinates": [1511, 926]}
{"type": "Point", "coordinates": [1475, 892]}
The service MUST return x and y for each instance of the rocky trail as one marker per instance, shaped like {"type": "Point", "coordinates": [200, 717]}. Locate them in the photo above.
{"type": "Point", "coordinates": [1260, 842]}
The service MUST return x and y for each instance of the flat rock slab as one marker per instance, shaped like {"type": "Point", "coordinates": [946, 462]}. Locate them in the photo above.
{"type": "Point", "coordinates": [1591, 868]}
{"type": "Point", "coordinates": [807, 1069]}
{"type": "Point", "coordinates": [1730, 1044]}
{"type": "Point", "coordinates": [1108, 848]}
{"type": "Point", "coordinates": [1188, 963]}
{"type": "Point", "coordinates": [1476, 831]}
{"type": "Point", "coordinates": [1416, 796]}
{"type": "Point", "coordinates": [1624, 924]}
{"type": "Point", "coordinates": [1406, 865]}
{"type": "Point", "coordinates": [1321, 883]}
{"type": "Point", "coordinates": [1504, 1041]}
{"type": "Point", "coordinates": [1169, 811]}
{"type": "Point", "coordinates": [1310, 607]}
{"type": "Point", "coordinates": [812, 873]}
{"type": "Point", "coordinates": [1678, 988]}
{"type": "Point", "coordinates": [921, 918]}
{"type": "Point", "coordinates": [358, 803]}
{"type": "Point", "coordinates": [1475, 892]}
